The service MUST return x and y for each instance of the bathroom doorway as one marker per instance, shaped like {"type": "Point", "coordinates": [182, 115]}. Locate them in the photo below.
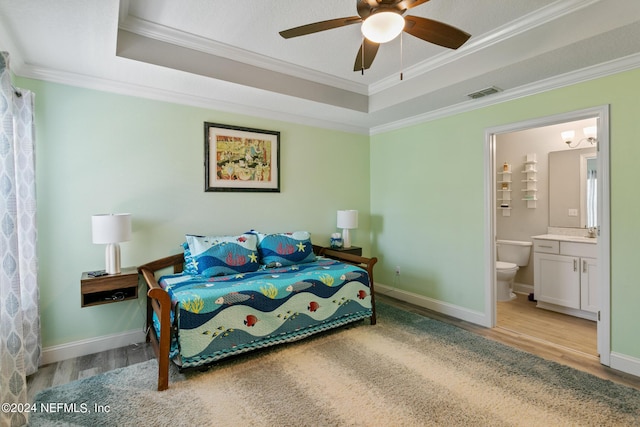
{"type": "Point", "coordinates": [520, 218]}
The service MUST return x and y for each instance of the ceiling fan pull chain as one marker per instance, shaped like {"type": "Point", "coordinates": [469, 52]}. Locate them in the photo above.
{"type": "Point", "coordinates": [362, 46]}
{"type": "Point", "coordinates": [401, 65]}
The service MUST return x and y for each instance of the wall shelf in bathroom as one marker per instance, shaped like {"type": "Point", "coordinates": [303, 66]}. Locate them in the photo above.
{"type": "Point", "coordinates": [530, 181]}
{"type": "Point", "coordinates": [504, 186]}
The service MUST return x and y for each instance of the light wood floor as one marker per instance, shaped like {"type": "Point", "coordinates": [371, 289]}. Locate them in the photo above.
{"type": "Point", "coordinates": [523, 317]}
{"type": "Point", "coordinates": [513, 333]}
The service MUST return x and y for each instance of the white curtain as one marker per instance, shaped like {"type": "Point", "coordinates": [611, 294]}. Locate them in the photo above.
{"type": "Point", "coordinates": [19, 314]}
{"type": "Point", "coordinates": [592, 195]}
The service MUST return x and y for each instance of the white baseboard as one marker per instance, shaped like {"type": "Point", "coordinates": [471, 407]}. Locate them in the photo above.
{"type": "Point", "coordinates": [442, 307]}
{"type": "Point", "coordinates": [89, 346]}
{"type": "Point", "coordinates": [522, 288]}
{"type": "Point", "coordinates": [624, 363]}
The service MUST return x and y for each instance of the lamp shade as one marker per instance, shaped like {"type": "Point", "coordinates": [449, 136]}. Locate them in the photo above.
{"type": "Point", "coordinates": [382, 27]}
{"type": "Point", "coordinates": [348, 219]}
{"type": "Point", "coordinates": [111, 228]}
{"type": "Point", "coordinates": [567, 135]}
{"type": "Point", "coordinates": [590, 131]}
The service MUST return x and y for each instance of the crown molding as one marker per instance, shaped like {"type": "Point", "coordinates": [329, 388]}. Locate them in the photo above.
{"type": "Point", "coordinates": [211, 47]}
{"type": "Point", "coordinates": [72, 79]}
{"type": "Point", "coordinates": [616, 66]}
{"type": "Point", "coordinates": [477, 44]}
{"type": "Point", "coordinates": [173, 97]}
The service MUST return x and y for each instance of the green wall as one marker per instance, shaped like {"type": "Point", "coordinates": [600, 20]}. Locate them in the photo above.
{"type": "Point", "coordinates": [428, 207]}
{"type": "Point", "coordinates": [99, 152]}
{"type": "Point", "coordinates": [419, 190]}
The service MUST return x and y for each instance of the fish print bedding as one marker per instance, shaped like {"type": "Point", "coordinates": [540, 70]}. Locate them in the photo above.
{"type": "Point", "coordinates": [216, 317]}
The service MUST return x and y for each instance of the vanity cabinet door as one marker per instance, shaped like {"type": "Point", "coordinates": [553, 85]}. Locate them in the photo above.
{"type": "Point", "coordinates": [557, 279]}
{"type": "Point", "coordinates": [589, 300]}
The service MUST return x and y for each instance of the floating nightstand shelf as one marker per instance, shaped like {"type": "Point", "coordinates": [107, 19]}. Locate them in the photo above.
{"type": "Point", "coordinates": [109, 288]}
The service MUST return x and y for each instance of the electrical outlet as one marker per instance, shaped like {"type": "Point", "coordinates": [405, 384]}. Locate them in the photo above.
{"type": "Point", "coordinates": [397, 270]}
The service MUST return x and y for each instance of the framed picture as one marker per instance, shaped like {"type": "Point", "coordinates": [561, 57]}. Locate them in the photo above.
{"type": "Point", "coordinates": [241, 159]}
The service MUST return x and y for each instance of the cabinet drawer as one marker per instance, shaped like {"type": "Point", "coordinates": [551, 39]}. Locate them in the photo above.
{"type": "Point", "coordinates": [579, 249]}
{"type": "Point", "coordinates": [546, 246]}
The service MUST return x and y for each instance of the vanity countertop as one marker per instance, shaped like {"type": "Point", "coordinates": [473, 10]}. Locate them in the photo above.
{"type": "Point", "coordinates": [564, 238]}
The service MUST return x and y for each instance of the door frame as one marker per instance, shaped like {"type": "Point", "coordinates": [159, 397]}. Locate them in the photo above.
{"type": "Point", "coordinates": [601, 114]}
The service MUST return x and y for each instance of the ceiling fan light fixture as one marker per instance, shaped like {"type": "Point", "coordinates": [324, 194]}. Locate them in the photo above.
{"type": "Point", "coordinates": [383, 27]}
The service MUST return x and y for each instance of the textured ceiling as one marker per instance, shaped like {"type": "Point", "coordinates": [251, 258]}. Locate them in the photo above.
{"type": "Point", "coordinates": [222, 54]}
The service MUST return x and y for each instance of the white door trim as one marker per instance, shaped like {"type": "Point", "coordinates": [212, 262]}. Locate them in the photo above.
{"type": "Point", "coordinates": [601, 113]}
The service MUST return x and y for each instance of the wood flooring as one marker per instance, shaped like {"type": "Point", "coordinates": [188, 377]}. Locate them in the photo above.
{"type": "Point", "coordinates": [517, 327]}
{"type": "Point", "coordinates": [523, 317]}
{"type": "Point", "coordinates": [78, 368]}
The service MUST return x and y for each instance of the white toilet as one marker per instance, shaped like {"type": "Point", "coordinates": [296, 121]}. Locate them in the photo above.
{"type": "Point", "coordinates": [512, 254]}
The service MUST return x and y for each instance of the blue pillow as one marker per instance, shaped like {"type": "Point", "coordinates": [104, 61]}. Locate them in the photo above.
{"type": "Point", "coordinates": [222, 255]}
{"type": "Point", "coordinates": [282, 249]}
{"type": "Point", "coordinates": [189, 263]}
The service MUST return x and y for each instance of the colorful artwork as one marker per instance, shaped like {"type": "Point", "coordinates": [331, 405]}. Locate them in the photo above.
{"type": "Point", "coordinates": [246, 159]}
{"type": "Point", "coordinates": [241, 159]}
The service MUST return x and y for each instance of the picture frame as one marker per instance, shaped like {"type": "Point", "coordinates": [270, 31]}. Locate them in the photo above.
{"type": "Point", "coordinates": [241, 159]}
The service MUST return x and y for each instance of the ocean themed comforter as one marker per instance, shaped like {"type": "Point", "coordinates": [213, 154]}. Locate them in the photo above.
{"type": "Point", "coordinates": [216, 317]}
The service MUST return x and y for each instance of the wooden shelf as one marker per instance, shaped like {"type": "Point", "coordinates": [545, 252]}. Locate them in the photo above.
{"type": "Point", "coordinates": [354, 250]}
{"type": "Point", "coordinates": [109, 288]}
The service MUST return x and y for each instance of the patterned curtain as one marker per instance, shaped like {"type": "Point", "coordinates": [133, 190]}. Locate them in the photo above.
{"type": "Point", "coordinates": [19, 314]}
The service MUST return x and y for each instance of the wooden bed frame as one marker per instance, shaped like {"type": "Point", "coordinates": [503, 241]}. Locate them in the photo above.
{"type": "Point", "coordinates": [158, 301]}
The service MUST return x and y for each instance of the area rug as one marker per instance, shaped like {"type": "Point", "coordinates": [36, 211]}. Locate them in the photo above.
{"type": "Point", "coordinates": [407, 370]}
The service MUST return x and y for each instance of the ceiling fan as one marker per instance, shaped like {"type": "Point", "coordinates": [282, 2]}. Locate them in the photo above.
{"type": "Point", "coordinates": [389, 14]}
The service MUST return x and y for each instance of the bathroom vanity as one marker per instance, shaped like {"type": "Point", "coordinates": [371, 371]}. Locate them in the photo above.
{"type": "Point", "coordinates": [565, 274]}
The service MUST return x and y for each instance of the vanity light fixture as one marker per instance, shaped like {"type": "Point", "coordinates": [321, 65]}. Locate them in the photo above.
{"type": "Point", "coordinates": [567, 136]}
{"type": "Point", "coordinates": [590, 133]}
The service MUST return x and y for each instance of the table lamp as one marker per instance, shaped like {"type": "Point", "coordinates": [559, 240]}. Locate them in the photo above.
{"type": "Point", "coordinates": [347, 220]}
{"type": "Point", "coordinates": [111, 229]}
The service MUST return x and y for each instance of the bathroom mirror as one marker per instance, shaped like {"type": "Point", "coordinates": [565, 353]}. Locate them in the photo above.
{"type": "Point", "coordinates": [572, 188]}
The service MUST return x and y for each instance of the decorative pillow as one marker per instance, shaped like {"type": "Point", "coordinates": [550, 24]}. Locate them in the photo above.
{"type": "Point", "coordinates": [189, 263]}
{"type": "Point", "coordinates": [220, 255]}
{"type": "Point", "coordinates": [281, 249]}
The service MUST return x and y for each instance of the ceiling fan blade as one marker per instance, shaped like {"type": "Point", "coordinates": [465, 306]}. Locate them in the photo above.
{"type": "Point", "coordinates": [319, 26]}
{"type": "Point", "coordinates": [435, 32]}
{"type": "Point", "coordinates": [370, 50]}
{"type": "Point", "coordinates": [409, 4]}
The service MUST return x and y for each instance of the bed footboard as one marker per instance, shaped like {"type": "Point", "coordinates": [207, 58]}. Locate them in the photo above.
{"type": "Point", "coordinates": [158, 300]}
